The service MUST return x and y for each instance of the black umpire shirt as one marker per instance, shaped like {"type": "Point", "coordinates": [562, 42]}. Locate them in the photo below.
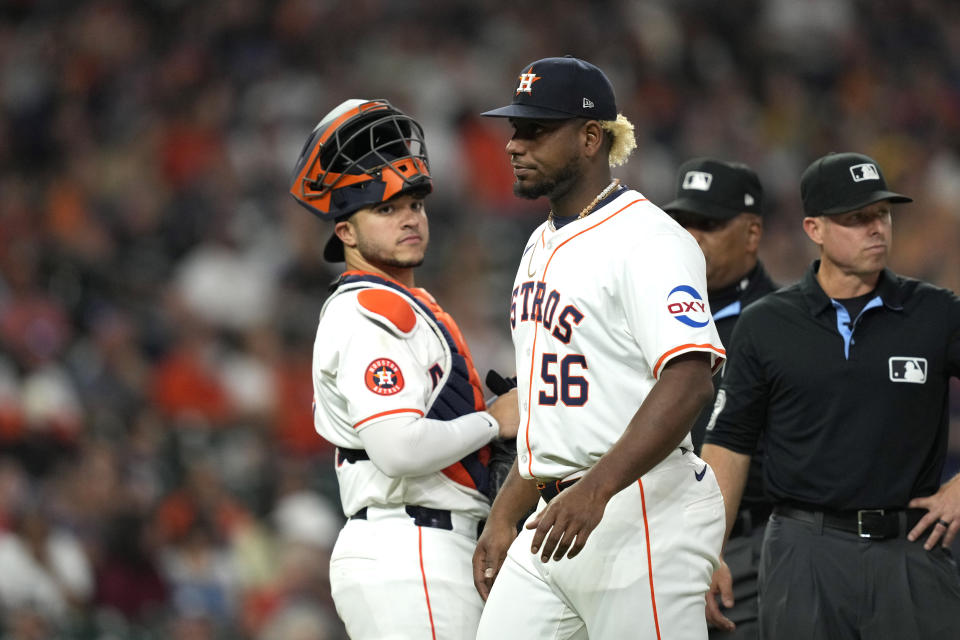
{"type": "Point", "coordinates": [726, 305]}
{"type": "Point", "coordinates": [854, 414]}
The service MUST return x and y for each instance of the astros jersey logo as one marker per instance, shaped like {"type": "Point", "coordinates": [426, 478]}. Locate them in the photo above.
{"type": "Point", "coordinates": [383, 377]}
{"type": "Point", "coordinates": [526, 81]}
{"type": "Point", "coordinates": [686, 305]}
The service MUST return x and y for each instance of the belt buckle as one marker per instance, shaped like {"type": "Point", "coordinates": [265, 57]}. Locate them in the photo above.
{"type": "Point", "coordinates": [860, 514]}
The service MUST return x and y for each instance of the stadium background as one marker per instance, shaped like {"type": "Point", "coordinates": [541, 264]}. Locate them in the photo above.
{"type": "Point", "coordinates": [159, 289]}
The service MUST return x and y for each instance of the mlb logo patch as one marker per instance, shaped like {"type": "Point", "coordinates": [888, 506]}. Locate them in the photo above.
{"type": "Point", "coordinates": [906, 369]}
{"type": "Point", "coordinates": [697, 180]}
{"type": "Point", "coordinates": [861, 172]}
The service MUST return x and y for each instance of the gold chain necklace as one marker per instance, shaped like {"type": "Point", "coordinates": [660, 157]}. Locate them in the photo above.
{"type": "Point", "coordinates": [587, 210]}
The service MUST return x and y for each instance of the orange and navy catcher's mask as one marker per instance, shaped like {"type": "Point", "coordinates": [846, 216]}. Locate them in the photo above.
{"type": "Point", "coordinates": [362, 153]}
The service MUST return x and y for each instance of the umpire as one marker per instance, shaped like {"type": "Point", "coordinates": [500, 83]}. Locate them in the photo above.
{"type": "Point", "coordinates": [845, 375]}
{"type": "Point", "coordinates": [721, 204]}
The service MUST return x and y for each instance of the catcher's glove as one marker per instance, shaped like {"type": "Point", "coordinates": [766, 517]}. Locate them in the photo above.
{"type": "Point", "coordinates": [498, 384]}
{"type": "Point", "coordinates": [502, 452]}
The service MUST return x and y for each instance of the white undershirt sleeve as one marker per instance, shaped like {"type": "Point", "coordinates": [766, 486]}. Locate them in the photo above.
{"type": "Point", "coordinates": [410, 446]}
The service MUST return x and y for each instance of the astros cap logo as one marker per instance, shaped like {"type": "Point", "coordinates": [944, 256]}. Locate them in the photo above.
{"type": "Point", "coordinates": [526, 81]}
{"type": "Point", "coordinates": [383, 377]}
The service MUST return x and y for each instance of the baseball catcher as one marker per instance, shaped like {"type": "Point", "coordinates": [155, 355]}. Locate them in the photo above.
{"type": "Point", "coordinates": [395, 388]}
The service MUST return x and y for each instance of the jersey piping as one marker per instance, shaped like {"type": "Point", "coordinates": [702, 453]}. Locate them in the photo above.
{"type": "Point", "coordinates": [387, 413]}
{"type": "Point", "coordinates": [688, 347]}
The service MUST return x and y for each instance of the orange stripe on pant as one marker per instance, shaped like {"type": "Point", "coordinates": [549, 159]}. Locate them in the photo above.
{"type": "Point", "coordinates": [646, 532]}
{"type": "Point", "coordinates": [423, 574]}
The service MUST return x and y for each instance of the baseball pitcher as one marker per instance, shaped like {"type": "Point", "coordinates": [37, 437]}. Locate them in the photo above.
{"type": "Point", "coordinates": [615, 348]}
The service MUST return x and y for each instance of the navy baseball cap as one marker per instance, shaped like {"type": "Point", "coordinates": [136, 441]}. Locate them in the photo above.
{"type": "Point", "coordinates": [559, 89]}
{"type": "Point", "coordinates": [842, 182]}
{"type": "Point", "coordinates": [716, 189]}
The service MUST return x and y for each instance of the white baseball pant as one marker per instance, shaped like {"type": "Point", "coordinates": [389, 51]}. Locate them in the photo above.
{"type": "Point", "coordinates": [643, 573]}
{"type": "Point", "coordinates": [393, 580]}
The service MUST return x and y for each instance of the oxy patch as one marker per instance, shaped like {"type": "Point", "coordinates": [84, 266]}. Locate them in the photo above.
{"type": "Point", "coordinates": [686, 305]}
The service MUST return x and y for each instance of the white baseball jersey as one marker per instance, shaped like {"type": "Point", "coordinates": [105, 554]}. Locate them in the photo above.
{"type": "Point", "coordinates": [383, 350]}
{"type": "Point", "coordinates": [598, 308]}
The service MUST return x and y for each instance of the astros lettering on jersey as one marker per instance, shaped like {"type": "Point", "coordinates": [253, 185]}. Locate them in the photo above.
{"type": "Point", "coordinates": [567, 320]}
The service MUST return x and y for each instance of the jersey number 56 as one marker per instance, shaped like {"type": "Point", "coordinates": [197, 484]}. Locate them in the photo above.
{"type": "Point", "coordinates": [573, 390]}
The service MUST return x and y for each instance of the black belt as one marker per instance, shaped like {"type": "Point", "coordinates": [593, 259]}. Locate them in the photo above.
{"type": "Point", "coordinates": [749, 519]}
{"type": "Point", "coordinates": [873, 524]}
{"type": "Point", "coordinates": [550, 490]}
{"type": "Point", "coordinates": [350, 455]}
{"type": "Point", "coordinates": [424, 517]}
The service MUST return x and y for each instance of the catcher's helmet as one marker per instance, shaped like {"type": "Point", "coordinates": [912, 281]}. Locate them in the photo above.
{"type": "Point", "coordinates": [362, 153]}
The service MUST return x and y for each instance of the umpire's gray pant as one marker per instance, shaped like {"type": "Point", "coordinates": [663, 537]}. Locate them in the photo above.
{"type": "Point", "coordinates": [824, 584]}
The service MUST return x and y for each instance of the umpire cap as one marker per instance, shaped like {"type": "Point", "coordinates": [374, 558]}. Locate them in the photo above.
{"type": "Point", "coordinates": [842, 182]}
{"type": "Point", "coordinates": [716, 189]}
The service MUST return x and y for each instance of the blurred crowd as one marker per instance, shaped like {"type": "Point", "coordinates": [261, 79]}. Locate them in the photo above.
{"type": "Point", "coordinates": [159, 290]}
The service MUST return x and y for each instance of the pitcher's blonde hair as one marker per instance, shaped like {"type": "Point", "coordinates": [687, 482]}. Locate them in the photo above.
{"type": "Point", "coordinates": [624, 142]}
